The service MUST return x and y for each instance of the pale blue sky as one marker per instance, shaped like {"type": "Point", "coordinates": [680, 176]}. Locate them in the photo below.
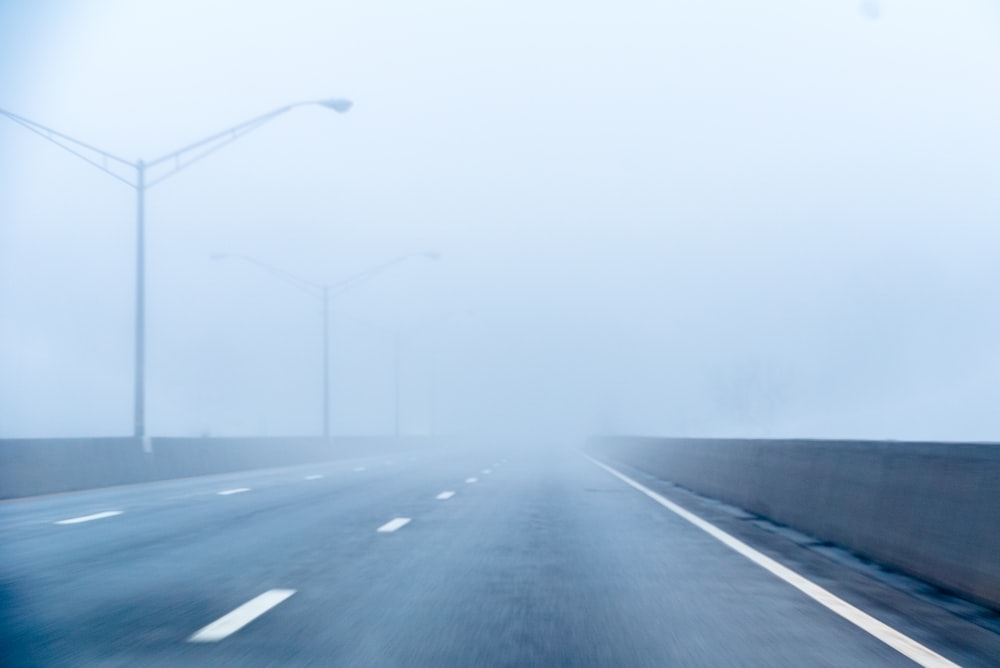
{"type": "Point", "coordinates": [775, 217]}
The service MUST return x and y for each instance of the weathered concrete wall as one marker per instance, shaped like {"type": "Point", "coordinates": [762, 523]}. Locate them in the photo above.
{"type": "Point", "coordinates": [928, 509]}
{"type": "Point", "coordinates": [29, 467]}
{"type": "Point", "coordinates": [42, 466]}
{"type": "Point", "coordinates": [182, 457]}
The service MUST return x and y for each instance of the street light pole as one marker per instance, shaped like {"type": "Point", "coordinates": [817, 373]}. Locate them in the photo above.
{"type": "Point", "coordinates": [180, 159]}
{"type": "Point", "coordinates": [324, 291]}
{"type": "Point", "coordinates": [326, 361]}
{"type": "Point", "coordinates": [395, 385]}
{"type": "Point", "coordinates": [139, 388]}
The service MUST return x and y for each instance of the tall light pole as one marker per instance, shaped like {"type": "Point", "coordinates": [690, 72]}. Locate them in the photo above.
{"type": "Point", "coordinates": [180, 159]}
{"type": "Point", "coordinates": [325, 291]}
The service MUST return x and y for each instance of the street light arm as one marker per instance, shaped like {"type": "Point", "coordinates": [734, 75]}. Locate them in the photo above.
{"type": "Point", "coordinates": [311, 287]}
{"type": "Point", "coordinates": [319, 289]}
{"type": "Point", "coordinates": [75, 146]}
{"type": "Point", "coordinates": [212, 143]}
{"type": "Point", "coordinates": [194, 152]}
{"type": "Point", "coordinates": [345, 284]}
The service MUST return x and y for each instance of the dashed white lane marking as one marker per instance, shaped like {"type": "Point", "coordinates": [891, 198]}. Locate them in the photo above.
{"type": "Point", "coordinates": [315, 476]}
{"type": "Point", "coordinates": [471, 479]}
{"type": "Point", "coordinates": [238, 490]}
{"type": "Point", "coordinates": [487, 471]}
{"type": "Point", "coordinates": [444, 496]}
{"type": "Point", "coordinates": [359, 468]}
{"type": "Point", "coordinates": [888, 635]}
{"type": "Point", "coordinates": [88, 518]}
{"type": "Point", "coordinates": [229, 624]}
{"type": "Point", "coordinates": [394, 524]}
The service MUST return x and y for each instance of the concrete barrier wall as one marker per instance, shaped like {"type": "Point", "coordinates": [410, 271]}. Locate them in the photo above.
{"type": "Point", "coordinates": [29, 467]}
{"type": "Point", "coordinates": [42, 466]}
{"type": "Point", "coordinates": [182, 457]}
{"type": "Point", "coordinates": [928, 509]}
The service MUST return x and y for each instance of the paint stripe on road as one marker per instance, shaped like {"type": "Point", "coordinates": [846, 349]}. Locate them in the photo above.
{"type": "Point", "coordinates": [238, 490]}
{"type": "Point", "coordinates": [229, 624]}
{"type": "Point", "coordinates": [444, 496]}
{"type": "Point", "coordinates": [471, 479]}
{"type": "Point", "coordinates": [313, 477]}
{"type": "Point", "coordinates": [888, 635]}
{"type": "Point", "coordinates": [394, 524]}
{"type": "Point", "coordinates": [89, 518]}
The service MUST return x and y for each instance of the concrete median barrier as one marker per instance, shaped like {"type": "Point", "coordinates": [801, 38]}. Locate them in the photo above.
{"type": "Point", "coordinates": [43, 466]}
{"type": "Point", "coordinates": [30, 467]}
{"type": "Point", "coordinates": [931, 510]}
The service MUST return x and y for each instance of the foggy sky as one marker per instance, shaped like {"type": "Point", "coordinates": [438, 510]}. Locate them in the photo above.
{"type": "Point", "coordinates": [772, 218]}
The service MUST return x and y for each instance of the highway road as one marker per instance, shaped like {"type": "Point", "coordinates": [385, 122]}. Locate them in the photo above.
{"type": "Point", "coordinates": [484, 557]}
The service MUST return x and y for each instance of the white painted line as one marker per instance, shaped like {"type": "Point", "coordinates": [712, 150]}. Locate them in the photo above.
{"type": "Point", "coordinates": [487, 471]}
{"type": "Point", "coordinates": [359, 468]}
{"type": "Point", "coordinates": [394, 524]}
{"type": "Point", "coordinates": [315, 476]}
{"type": "Point", "coordinates": [444, 496]}
{"type": "Point", "coordinates": [229, 624]}
{"type": "Point", "coordinates": [88, 518]}
{"type": "Point", "coordinates": [888, 635]}
{"type": "Point", "coordinates": [471, 479]}
{"type": "Point", "coordinates": [238, 490]}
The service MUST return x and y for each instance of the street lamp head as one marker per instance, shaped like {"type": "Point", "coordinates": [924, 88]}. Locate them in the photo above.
{"type": "Point", "coordinates": [340, 105]}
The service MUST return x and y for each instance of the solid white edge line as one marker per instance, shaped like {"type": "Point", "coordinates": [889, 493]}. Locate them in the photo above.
{"type": "Point", "coordinates": [394, 524]}
{"type": "Point", "coordinates": [88, 518]}
{"type": "Point", "coordinates": [444, 496]}
{"type": "Point", "coordinates": [883, 632]}
{"type": "Point", "coordinates": [238, 490]}
{"type": "Point", "coordinates": [234, 621]}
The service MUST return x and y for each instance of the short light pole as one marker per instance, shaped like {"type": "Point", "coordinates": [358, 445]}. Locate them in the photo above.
{"type": "Point", "coordinates": [324, 292]}
{"type": "Point", "coordinates": [177, 161]}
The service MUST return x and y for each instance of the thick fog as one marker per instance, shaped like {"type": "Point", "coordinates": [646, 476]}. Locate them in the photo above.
{"type": "Point", "coordinates": [771, 218]}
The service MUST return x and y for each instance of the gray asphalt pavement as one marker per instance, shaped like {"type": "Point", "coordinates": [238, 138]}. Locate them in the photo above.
{"type": "Point", "coordinates": [535, 560]}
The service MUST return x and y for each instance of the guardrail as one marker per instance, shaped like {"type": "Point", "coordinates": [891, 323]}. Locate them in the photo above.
{"type": "Point", "coordinates": [29, 467]}
{"type": "Point", "coordinates": [928, 509]}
